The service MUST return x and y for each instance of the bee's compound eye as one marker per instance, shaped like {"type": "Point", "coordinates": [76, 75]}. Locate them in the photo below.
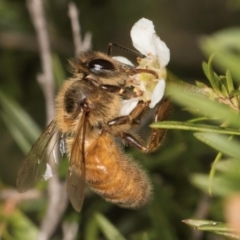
{"type": "Point", "coordinates": [100, 64]}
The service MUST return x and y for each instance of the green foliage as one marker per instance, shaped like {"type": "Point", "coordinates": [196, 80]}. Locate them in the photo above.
{"type": "Point", "coordinates": [216, 227]}
{"type": "Point", "coordinates": [22, 127]}
{"type": "Point", "coordinates": [15, 225]}
{"type": "Point", "coordinates": [110, 232]}
{"type": "Point", "coordinates": [225, 45]}
{"type": "Point", "coordinates": [179, 170]}
{"type": "Point", "coordinates": [218, 104]}
{"type": "Point", "coordinates": [189, 126]}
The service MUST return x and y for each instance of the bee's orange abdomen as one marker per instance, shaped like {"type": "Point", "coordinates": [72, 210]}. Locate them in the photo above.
{"type": "Point", "coordinates": [114, 175]}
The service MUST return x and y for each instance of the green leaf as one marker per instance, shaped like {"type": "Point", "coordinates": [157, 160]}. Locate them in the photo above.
{"type": "Point", "coordinates": [220, 143]}
{"type": "Point", "coordinates": [194, 127]}
{"type": "Point", "coordinates": [199, 222]}
{"type": "Point", "coordinates": [189, 98]}
{"type": "Point", "coordinates": [17, 134]}
{"type": "Point", "coordinates": [223, 87]}
{"type": "Point", "coordinates": [207, 225]}
{"type": "Point", "coordinates": [229, 81]}
{"type": "Point", "coordinates": [212, 77]}
{"type": "Point", "coordinates": [235, 93]}
{"type": "Point", "coordinates": [212, 226]}
{"type": "Point", "coordinates": [18, 120]}
{"type": "Point", "coordinates": [213, 171]}
{"type": "Point", "coordinates": [229, 167]}
{"type": "Point", "coordinates": [20, 227]}
{"type": "Point", "coordinates": [220, 185]}
{"type": "Point", "coordinates": [91, 230]}
{"type": "Point", "coordinates": [225, 45]}
{"type": "Point", "coordinates": [205, 69]}
{"type": "Point", "coordinates": [159, 210]}
{"type": "Point", "coordinates": [228, 235]}
{"type": "Point", "coordinates": [109, 231]}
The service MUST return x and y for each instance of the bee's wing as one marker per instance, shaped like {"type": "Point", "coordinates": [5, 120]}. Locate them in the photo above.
{"type": "Point", "coordinates": [36, 166]}
{"type": "Point", "coordinates": [76, 171]}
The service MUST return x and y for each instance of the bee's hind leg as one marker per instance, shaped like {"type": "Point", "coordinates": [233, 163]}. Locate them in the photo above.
{"type": "Point", "coordinates": [156, 135]}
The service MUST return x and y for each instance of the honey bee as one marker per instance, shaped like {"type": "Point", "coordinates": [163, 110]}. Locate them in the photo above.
{"type": "Point", "coordinates": [87, 119]}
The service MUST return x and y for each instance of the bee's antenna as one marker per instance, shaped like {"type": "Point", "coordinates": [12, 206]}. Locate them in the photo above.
{"type": "Point", "coordinates": [111, 45]}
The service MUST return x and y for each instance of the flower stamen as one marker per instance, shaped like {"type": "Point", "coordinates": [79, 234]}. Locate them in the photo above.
{"type": "Point", "coordinates": [142, 70]}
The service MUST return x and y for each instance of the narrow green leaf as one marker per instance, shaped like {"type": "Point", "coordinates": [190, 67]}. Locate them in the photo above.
{"type": "Point", "coordinates": [198, 119]}
{"type": "Point", "coordinates": [213, 171]}
{"type": "Point", "coordinates": [22, 120]}
{"type": "Point", "coordinates": [212, 77]}
{"type": "Point", "coordinates": [221, 186]}
{"type": "Point", "coordinates": [162, 205]}
{"type": "Point", "coordinates": [220, 143]}
{"type": "Point", "coordinates": [109, 231]}
{"type": "Point", "coordinates": [228, 235]}
{"type": "Point", "coordinates": [91, 230]}
{"type": "Point", "coordinates": [225, 44]}
{"type": "Point", "coordinates": [229, 167]}
{"type": "Point", "coordinates": [222, 85]}
{"type": "Point", "coordinates": [235, 93]}
{"type": "Point", "coordinates": [231, 61]}
{"type": "Point", "coordinates": [199, 222]}
{"type": "Point", "coordinates": [212, 226]}
{"type": "Point", "coordinates": [205, 69]}
{"type": "Point", "coordinates": [203, 105]}
{"type": "Point", "coordinates": [194, 127]}
{"type": "Point", "coordinates": [224, 90]}
{"type": "Point", "coordinates": [22, 227]}
{"type": "Point", "coordinates": [229, 81]}
{"type": "Point", "coordinates": [18, 136]}
{"type": "Point", "coordinates": [215, 226]}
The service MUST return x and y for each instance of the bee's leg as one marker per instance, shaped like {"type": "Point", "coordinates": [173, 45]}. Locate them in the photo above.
{"type": "Point", "coordinates": [133, 118]}
{"type": "Point", "coordinates": [134, 141]}
{"type": "Point", "coordinates": [110, 88]}
{"type": "Point", "coordinates": [156, 135]}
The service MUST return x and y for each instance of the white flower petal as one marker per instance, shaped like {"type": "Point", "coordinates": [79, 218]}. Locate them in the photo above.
{"type": "Point", "coordinates": [123, 60]}
{"type": "Point", "coordinates": [161, 50]}
{"type": "Point", "coordinates": [128, 106]}
{"type": "Point", "coordinates": [157, 93]}
{"type": "Point", "coordinates": [141, 35]}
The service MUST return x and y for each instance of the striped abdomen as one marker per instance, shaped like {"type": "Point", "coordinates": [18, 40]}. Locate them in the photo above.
{"type": "Point", "coordinates": [114, 176]}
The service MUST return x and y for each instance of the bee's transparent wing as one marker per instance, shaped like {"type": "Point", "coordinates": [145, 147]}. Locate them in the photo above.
{"type": "Point", "coordinates": [39, 163]}
{"type": "Point", "coordinates": [76, 171]}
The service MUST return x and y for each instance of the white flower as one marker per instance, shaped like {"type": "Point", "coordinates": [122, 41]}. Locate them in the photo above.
{"type": "Point", "coordinates": [128, 106]}
{"type": "Point", "coordinates": [157, 93]}
{"type": "Point", "coordinates": [146, 86]}
{"type": "Point", "coordinates": [147, 42]}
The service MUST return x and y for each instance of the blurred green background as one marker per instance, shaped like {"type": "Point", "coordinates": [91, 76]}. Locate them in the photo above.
{"type": "Point", "coordinates": [181, 24]}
